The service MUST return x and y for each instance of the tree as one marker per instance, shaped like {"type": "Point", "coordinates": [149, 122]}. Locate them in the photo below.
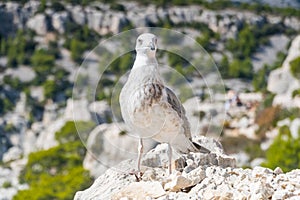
{"type": "Point", "coordinates": [77, 48]}
{"type": "Point", "coordinates": [57, 173]}
{"type": "Point", "coordinates": [42, 62]}
{"type": "Point", "coordinates": [284, 151]}
{"type": "Point", "coordinates": [260, 79]}
{"type": "Point", "coordinates": [240, 69]}
{"type": "Point", "coordinates": [50, 89]}
{"type": "Point", "coordinates": [224, 67]}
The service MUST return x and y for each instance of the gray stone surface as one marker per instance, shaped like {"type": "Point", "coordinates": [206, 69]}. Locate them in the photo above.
{"type": "Point", "coordinates": [39, 24]}
{"type": "Point", "coordinates": [202, 182]}
{"type": "Point", "coordinates": [282, 83]}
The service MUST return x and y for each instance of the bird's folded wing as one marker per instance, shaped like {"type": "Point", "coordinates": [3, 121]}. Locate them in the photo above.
{"type": "Point", "coordinates": [177, 106]}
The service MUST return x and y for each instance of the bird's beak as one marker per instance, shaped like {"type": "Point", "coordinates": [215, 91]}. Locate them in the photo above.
{"type": "Point", "coordinates": [152, 46]}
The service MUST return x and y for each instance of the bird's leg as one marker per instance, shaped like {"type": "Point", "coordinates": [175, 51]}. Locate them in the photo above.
{"type": "Point", "coordinates": [170, 158]}
{"type": "Point", "coordinates": [138, 173]}
{"type": "Point", "coordinates": [140, 153]}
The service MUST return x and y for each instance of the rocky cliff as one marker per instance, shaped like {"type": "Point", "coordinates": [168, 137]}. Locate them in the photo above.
{"type": "Point", "coordinates": [103, 19]}
{"type": "Point", "coordinates": [196, 176]}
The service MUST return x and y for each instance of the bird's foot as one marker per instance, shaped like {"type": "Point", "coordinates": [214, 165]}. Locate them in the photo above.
{"type": "Point", "coordinates": [138, 175]}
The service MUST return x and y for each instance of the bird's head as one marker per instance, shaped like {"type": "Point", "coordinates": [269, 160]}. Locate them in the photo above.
{"type": "Point", "coordinates": [146, 44]}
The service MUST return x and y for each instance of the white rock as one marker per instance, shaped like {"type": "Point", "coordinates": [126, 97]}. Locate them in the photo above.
{"type": "Point", "coordinates": [295, 127]}
{"type": "Point", "coordinates": [59, 21]}
{"type": "Point", "coordinates": [178, 183]}
{"type": "Point", "coordinates": [78, 15]}
{"type": "Point", "coordinates": [281, 81]}
{"type": "Point", "coordinates": [77, 110]}
{"type": "Point", "coordinates": [140, 190]}
{"type": "Point", "coordinates": [13, 153]}
{"type": "Point", "coordinates": [39, 24]}
{"type": "Point", "coordinates": [101, 111]}
{"type": "Point", "coordinates": [46, 139]}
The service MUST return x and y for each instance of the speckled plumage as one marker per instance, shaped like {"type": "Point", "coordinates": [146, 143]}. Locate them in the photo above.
{"type": "Point", "coordinates": [149, 108]}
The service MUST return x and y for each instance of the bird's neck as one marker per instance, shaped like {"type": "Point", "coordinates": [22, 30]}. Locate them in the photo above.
{"type": "Point", "coordinates": [142, 59]}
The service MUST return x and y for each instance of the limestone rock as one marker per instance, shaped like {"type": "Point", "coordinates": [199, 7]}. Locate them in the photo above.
{"type": "Point", "coordinates": [77, 110]}
{"type": "Point", "coordinates": [46, 138]}
{"type": "Point", "coordinates": [215, 183]}
{"type": "Point", "coordinates": [13, 153]}
{"type": "Point", "coordinates": [39, 24]}
{"type": "Point", "coordinates": [78, 15]}
{"type": "Point", "coordinates": [177, 183]}
{"type": "Point", "coordinates": [140, 190]}
{"type": "Point", "coordinates": [59, 21]}
{"type": "Point", "coordinates": [281, 81]}
{"type": "Point", "coordinates": [101, 111]}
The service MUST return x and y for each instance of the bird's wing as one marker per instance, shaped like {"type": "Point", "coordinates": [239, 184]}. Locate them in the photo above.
{"type": "Point", "coordinates": [177, 106]}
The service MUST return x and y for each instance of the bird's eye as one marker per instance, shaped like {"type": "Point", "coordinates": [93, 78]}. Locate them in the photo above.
{"type": "Point", "coordinates": [155, 40]}
{"type": "Point", "coordinates": [140, 41]}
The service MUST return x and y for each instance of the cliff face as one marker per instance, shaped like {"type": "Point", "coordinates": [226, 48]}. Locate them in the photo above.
{"type": "Point", "coordinates": [102, 19]}
{"type": "Point", "coordinates": [196, 176]}
{"type": "Point", "coordinates": [281, 81]}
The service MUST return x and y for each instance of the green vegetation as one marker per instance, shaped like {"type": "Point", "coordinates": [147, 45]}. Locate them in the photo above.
{"type": "Point", "coordinates": [57, 173]}
{"type": "Point", "coordinates": [6, 100]}
{"type": "Point", "coordinates": [42, 63]}
{"type": "Point", "coordinates": [121, 64]}
{"type": "Point", "coordinates": [18, 49]}
{"type": "Point", "coordinates": [236, 69]}
{"type": "Point", "coordinates": [13, 82]}
{"type": "Point", "coordinates": [296, 93]}
{"type": "Point", "coordinates": [79, 39]}
{"type": "Point", "coordinates": [295, 67]}
{"type": "Point", "coordinates": [9, 128]}
{"type": "Point", "coordinates": [6, 184]}
{"type": "Point", "coordinates": [77, 48]}
{"type": "Point", "coordinates": [223, 4]}
{"type": "Point", "coordinates": [68, 133]}
{"type": "Point", "coordinates": [284, 152]}
{"type": "Point", "coordinates": [268, 116]}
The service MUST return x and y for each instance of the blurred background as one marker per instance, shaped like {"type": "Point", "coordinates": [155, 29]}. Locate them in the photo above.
{"type": "Point", "coordinates": [43, 44]}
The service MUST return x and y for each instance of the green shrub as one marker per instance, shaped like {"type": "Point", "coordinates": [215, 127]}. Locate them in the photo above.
{"type": "Point", "coordinates": [7, 184]}
{"type": "Point", "coordinates": [50, 89]}
{"type": "Point", "coordinates": [9, 128]}
{"type": "Point", "coordinates": [69, 132]}
{"type": "Point", "coordinates": [224, 67]}
{"type": "Point", "coordinates": [296, 93]}
{"type": "Point", "coordinates": [284, 151]}
{"type": "Point", "coordinates": [42, 62]}
{"type": "Point", "coordinates": [6, 105]}
{"type": "Point", "coordinates": [60, 187]}
{"type": "Point", "coordinates": [295, 67]}
{"type": "Point", "coordinates": [240, 69]}
{"type": "Point", "coordinates": [57, 173]}
{"type": "Point", "coordinates": [77, 48]}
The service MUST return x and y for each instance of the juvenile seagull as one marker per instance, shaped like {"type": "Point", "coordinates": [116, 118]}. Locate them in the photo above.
{"type": "Point", "coordinates": [150, 109]}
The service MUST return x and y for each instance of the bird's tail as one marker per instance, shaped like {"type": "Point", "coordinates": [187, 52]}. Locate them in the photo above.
{"type": "Point", "coordinates": [187, 145]}
{"type": "Point", "coordinates": [199, 148]}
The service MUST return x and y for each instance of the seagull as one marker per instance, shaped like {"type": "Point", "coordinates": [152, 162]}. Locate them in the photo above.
{"type": "Point", "coordinates": [152, 110]}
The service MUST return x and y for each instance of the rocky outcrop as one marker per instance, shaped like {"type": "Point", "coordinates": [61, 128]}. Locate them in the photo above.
{"type": "Point", "coordinates": [282, 83]}
{"type": "Point", "coordinates": [77, 110]}
{"type": "Point", "coordinates": [196, 176]}
{"type": "Point", "coordinates": [39, 24]}
{"type": "Point", "coordinates": [101, 19]}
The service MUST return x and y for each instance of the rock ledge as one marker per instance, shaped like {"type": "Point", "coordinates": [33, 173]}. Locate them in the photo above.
{"type": "Point", "coordinates": [196, 176]}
